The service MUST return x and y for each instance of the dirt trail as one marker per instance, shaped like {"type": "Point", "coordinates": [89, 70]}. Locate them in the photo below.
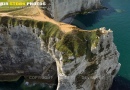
{"type": "Point", "coordinates": [42, 17]}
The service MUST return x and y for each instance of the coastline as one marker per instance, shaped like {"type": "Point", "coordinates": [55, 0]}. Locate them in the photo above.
{"type": "Point", "coordinates": [70, 17]}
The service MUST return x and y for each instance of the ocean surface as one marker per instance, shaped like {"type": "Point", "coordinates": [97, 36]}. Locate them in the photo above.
{"type": "Point", "coordinates": [117, 18]}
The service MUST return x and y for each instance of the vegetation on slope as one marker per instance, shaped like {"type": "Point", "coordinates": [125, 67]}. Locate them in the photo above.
{"type": "Point", "coordinates": [28, 11]}
{"type": "Point", "coordinates": [75, 43]}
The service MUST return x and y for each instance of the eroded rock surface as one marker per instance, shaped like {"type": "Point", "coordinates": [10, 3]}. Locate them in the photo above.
{"type": "Point", "coordinates": [84, 59]}
{"type": "Point", "coordinates": [58, 9]}
{"type": "Point", "coordinates": [21, 54]}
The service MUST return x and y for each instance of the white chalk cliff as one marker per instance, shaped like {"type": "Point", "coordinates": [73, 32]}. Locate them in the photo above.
{"type": "Point", "coordinates": [85, 60]}
{"type": "Point", "coordinates": [60, 8]}
{"type": "Point", "coordinates": [95, 73]}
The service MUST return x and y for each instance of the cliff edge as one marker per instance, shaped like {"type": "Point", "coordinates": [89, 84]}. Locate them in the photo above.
{"type": "Point", "coordinates": [85, 60]}
{"type": "Point", "coordinates": [59, 9]}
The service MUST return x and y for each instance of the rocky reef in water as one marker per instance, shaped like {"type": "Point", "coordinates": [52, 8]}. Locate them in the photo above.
{"type": "Point", "coordinates": [81, 59]}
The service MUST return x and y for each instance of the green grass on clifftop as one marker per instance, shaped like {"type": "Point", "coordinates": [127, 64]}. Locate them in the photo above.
{"type": "Point", "coordinates": [75, 43]}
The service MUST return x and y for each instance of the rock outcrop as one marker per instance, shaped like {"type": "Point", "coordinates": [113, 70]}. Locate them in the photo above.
{"type": "Point", "coordinates": [58, 9]}
{"type": "Point", "coordinates": [85, 60]}
{"type": "Point", "coordinates": [21, 53]}
{"type": "Point", "coordinates": [93, 71]}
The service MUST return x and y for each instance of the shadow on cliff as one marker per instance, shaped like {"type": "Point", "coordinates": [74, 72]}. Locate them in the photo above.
{"type": "Point", "coordinates": [120, 83]}
{"type": "Point", "coordinates": [84, 21]}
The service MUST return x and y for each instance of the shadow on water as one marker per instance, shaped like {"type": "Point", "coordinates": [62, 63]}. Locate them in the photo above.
{"type": "Point", "coordinates": [84, 21]}
{"type": "Point", "coordinates": [120, 83]}
{"type": "Point", "coordinates": [11, 85]}
{"type": "Point", "coordinates": [20, 85]}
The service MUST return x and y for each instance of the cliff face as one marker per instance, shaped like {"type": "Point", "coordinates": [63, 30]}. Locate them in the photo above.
{"type": "Point", "coordinates": [93, 63]}
{"type": "Point", "coordinates": [84, 59]}
{"type": "Point", "coordinates": [21, 53]}
{"type": "Point", "coordinates": [60, 8]}
{"type": "Point", "coordinates": [95, 72]}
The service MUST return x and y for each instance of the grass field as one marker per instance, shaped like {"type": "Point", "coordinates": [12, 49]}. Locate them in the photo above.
{"type": "Point", "coordinates": [6, 8]}
{"type": "Point", "coordinates": [29, 11]}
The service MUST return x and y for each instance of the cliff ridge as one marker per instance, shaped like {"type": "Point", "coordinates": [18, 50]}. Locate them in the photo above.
{"type": "Point", "coordinates": [84, 59]}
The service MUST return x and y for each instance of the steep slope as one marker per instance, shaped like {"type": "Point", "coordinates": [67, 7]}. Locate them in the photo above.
{"type": "Point", "coordinates": [36, 14]}
{"type": "Point", "coordinates": [84, 59]}
{"type": "Point", "coordinates": [58, 9]}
